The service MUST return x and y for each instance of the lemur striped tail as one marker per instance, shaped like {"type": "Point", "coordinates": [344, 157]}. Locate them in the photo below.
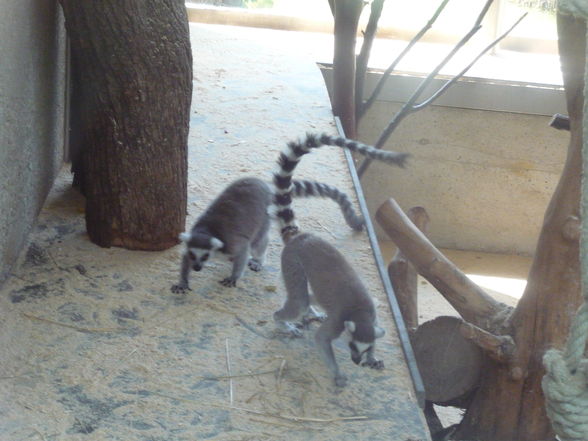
{"type": "Point", "coordinates": [311, 188]}
{"type": "Point", "coordinates": [289, 159]}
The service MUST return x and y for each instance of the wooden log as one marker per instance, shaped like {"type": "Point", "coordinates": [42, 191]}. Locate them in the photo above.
{"type": "Point", "coordinates": [500, 347]}
{"type": "Point", "coordinates": [470, 301]}
{"type": "Point", "coordinates": [403, 274]}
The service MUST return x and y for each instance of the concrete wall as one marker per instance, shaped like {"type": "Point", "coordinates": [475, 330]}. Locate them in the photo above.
{"type": "Point", "coordinates": [32, 96]}
{"type": "Point", "coordinates": [484, 176]}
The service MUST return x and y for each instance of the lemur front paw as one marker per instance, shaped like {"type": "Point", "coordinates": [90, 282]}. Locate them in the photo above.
{"type": "Point", "coordinates": [340, 380]}
{"type": "Point", "coordinates": [180, 288]}
{"type": "Point", "coordinates": [228, 282]}
{"type": "Point", "coordinates": [255, 265]}
{"type": "Point", "coordinates": [374, 364]}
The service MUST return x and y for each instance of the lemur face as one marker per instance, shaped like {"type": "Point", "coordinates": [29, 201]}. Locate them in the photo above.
{"type": "Point", "coordinates": [197, 257]}
{"type": "Point", "coordinates": [361, 340]}
{"type": "Point", "coordinates": [200, 247]}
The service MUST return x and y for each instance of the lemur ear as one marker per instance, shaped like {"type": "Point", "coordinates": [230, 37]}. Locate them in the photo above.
{"type": "Point", "coordinates": [379, 332]}
{"type": "Point", "coordinates": [350, 326]}
{"type": "Point", "coordinates": [216, 244]}
{"type": "Point", "coordinates": [184, 237]}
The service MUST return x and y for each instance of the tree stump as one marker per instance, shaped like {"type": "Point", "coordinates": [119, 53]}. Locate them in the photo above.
{"type": "Point", "coordinates": [450, 364]}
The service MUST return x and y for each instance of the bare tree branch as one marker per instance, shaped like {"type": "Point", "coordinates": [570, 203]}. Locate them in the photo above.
{"type": "Point", "coordinates": [500, 347]}
{"type": "Point", "coordinates": [407, 107]}
{"type": "Point", "coordinates": [470, 301]}
{"type": "Point", "coordinates": [365, 106]}
{"type": "Point", "coordinates": [443, 88]}
{"type": "Point", "coordinates": [364, 53]}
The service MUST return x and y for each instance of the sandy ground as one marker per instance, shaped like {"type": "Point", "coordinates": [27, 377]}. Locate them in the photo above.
{"type": "Point", "coordinates": [96, 347]}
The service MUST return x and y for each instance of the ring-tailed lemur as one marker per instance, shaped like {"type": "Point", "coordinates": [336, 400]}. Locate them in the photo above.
{"type": "Point", "coordinates": [237, 224]}
{"type": "Point", "coordinates": [310, 260]}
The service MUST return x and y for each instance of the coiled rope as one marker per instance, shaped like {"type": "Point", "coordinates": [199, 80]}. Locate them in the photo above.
{"type": "Point", "coordinates": [565, 383]}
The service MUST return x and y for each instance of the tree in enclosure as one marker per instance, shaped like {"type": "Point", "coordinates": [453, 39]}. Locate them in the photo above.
{"type": "Point", "coordinates": [130, 105]}
{"type": "Point", "coordinates": [349, 70]}
{"type": "Point", "coordinates": [507, 401]}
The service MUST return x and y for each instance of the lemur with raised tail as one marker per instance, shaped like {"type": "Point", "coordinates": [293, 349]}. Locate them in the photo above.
{"type": "Point", "coordinates": [237, 223]}
{"type": "Point", "coordinates": [309, 260]}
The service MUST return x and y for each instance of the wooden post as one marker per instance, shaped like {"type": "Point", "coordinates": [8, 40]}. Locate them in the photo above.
{"type": "Point", "coordinates": [403, 274]}
{"type": "Point", "coordinates": [472, 303]}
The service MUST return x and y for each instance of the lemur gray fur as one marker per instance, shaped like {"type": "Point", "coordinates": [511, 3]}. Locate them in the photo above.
{"type": "Point", "coordinates": [237, 224]}
{"type": "Point", "coordinates": [310, 260]}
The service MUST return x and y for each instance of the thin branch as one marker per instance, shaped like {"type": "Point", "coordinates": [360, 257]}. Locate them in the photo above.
{"type": "Point", "coordinates": [364, 54]}
{"type": "Point", "coordinates": [500, 347]}
{"type": "Point", "coordinates": [251, 374]}
{"type": "Point", "coordinates": [257, 412]}
{"type": "Point", "coordinates": [77, 328]}
{"type": "Point", "coordinates": [443, 88]}
{"type": "Point", "coordinates": [229, 375]}
{"type": "Point", "coordinates": [370, 101]}
{"type": "Point", "coordinates": [251, 328]}
{"type": "Point", "coordinates": [407, 107]}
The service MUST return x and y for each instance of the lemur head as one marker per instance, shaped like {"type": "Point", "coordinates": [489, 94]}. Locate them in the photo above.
{"type": "Point", "coordinates": [361, 338]}
{"type": "Point", "coordinates": [199, 247]}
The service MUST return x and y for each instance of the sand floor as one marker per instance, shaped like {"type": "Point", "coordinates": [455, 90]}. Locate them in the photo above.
{"type": "Point", "coordinates": [96, 347]}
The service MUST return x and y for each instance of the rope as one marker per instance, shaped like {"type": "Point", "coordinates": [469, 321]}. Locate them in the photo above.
{"type": "Point", "coordinates": [565, 383]}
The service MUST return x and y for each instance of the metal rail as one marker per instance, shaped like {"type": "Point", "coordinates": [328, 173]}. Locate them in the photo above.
{"type": "Point", "coordinates": [396, 314]}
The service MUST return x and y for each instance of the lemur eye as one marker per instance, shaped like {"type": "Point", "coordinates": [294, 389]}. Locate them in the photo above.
{"type": "Point", "coordinates": [191, 255]}
{"type": "Point", "coordinates": [204, 258]}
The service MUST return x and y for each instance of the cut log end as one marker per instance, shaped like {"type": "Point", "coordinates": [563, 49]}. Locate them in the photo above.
{"type": "Point", "coordinates": [450, 364]}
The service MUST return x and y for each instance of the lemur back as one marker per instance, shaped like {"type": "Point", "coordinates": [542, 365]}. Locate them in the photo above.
{"type": "Point", "coordinates": [310, 260]}
{"type": "Point", "coordinates": [236, 224]}
{"type": "Point", "coordinates": [241, 212]}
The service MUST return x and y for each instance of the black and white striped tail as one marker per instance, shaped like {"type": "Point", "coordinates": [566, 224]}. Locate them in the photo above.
{"type": "Point", "coordinates": [312, 188]}
{"type": "Point", "coordinates": [292, 154]}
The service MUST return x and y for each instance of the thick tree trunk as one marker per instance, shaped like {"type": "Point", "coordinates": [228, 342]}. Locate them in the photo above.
{"type": "Point", "coordinates": [134, 67]}
{"type": "Point", "coordinates": [509, 405]}
{"type": "Point", "coordinates": [347, 13]}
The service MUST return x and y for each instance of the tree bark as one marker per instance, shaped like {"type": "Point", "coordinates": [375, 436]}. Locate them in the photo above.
{"type": "Point", "coordinates": [469, 300]}
{"type": "Point", "coordinates": [403, 275]}
{"type": "Point", "coordinates": [347, 13]}
{"type": "Point", "coordinates": [510, 404]}
{"type": "Point", "coordinates": [134, 67]}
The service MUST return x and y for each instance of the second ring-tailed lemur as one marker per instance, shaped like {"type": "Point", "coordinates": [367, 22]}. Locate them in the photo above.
{"type": "Point", "coordinates": [309, 260]}
{"type": "Point", "coordinates": [237, 222]}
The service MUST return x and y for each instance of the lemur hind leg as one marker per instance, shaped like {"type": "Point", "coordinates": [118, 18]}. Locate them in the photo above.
{"type": "Point", "coordinates": [259, 246]}
{"type": "Point", "coordinates": [297, 302]}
